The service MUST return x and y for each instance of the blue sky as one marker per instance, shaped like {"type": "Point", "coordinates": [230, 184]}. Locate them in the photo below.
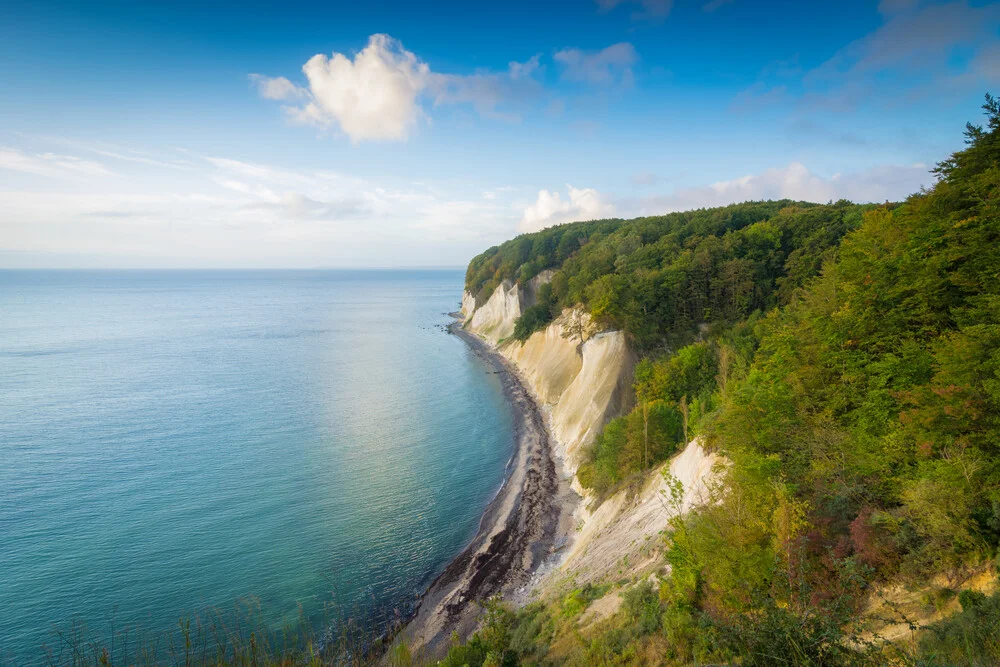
{"type": "Point", "coordinates": [408, 134]}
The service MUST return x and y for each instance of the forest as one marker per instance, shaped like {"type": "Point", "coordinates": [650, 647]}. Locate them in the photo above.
{"type": "Point", "coordinates": [845, 359]}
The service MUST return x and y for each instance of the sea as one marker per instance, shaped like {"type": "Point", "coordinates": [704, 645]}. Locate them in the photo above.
{"type": "Point", "coordinates": [306, 449]}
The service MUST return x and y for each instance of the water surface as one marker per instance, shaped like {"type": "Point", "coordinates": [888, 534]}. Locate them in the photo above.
{"type": "Point", "coordinates": [171, 441]}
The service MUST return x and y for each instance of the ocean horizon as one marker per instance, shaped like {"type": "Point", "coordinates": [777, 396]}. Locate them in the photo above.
{"type": "Point", "coordinates": [179, 440]}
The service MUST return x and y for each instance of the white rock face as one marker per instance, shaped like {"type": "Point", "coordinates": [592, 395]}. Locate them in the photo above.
{"type": "Point", "coordinates": [530, 295]}
{"type": "Point", "coordinates": [600, 391]}
{"type": "Point", "coordinates": [468, 305]}
{"type": "Point", "coordinates": [494, 320]}
{"type": "Point", "coordinates": [623, 535]}
{"type": "Point", "coordinates": [550, 359]}
{"type": "Point", "coordinates": [584, 378]}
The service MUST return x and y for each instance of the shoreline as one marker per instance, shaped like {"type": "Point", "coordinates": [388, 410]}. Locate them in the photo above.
{"type": "Point", "coordinates": [522, 527]}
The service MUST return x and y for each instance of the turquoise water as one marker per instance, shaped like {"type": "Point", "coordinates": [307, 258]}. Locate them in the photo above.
{"type": "Point", "coordinates": [174, 441]}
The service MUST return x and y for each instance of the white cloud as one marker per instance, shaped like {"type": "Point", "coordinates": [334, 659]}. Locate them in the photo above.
{"type": "Point", "coordinates": [373, 97]}
{"type": "Point", "coordinates": [229, 212]}
{"type": "Point", "coordinates": [610, 65]}
{"type": "Point", "coordinates": [378, 95]}
{"type": "Point", "coordinates": [796, 181]}
{"type": "Point", "coordinates": [551, 209]}
{"type": "Point", "coordinates": [526, 69]}
{"type": "Point", "coordinates": [51, 164]}
{"type": "Point", "coordinates": [277, 88]}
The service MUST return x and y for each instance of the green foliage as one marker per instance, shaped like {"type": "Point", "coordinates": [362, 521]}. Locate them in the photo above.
{"type": "Point", "coordinates": [846, 360]}
{"type": "Point", "coordinates": [629, 444]}
{"type": "Point", "coordinates": [660, 278]}
{"type": "Point", "coordinates": [490, 646]}
{"type": "Point", "coordinates": [666, 388]}
{"type": "Point", "coordinates": [642, 606]}
{"type": "Point", "coordinates": [531, 320]}
{"type": "Point", "coordinates": [537, 316]}
{"type": "Point", "coordinates": [971, 637]}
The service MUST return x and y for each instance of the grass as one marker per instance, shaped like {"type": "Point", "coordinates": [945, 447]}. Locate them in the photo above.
{"type": "Point", "coordinates": [240, 637]}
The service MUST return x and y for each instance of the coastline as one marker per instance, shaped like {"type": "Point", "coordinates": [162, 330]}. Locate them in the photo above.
{"type": "Point", "coordinates": [525, 524]}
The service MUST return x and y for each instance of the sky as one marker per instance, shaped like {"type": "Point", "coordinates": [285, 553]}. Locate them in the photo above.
{"type": "Point", "coordinates": [402, 134]}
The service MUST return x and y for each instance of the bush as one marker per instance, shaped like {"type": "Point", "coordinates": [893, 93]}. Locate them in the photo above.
{"type": "Point", "coordinates": [971, 637]}
{"type": "Point", "coordinates": [531, 320]}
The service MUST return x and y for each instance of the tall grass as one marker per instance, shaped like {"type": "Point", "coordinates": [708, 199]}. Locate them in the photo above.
{"type": "Point", "coordinates": [240, 636]}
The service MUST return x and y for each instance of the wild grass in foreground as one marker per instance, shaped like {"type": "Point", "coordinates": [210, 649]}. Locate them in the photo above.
{"type": "Point", "coordinates": [241, 636]}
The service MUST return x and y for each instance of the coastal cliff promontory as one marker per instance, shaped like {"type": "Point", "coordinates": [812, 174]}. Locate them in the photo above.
{"type": "Point", "coordinates": [781, 418]}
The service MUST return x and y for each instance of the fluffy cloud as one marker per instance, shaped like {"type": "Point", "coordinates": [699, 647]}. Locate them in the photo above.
{"type": "Point", "coordinates": [551, 209]}
{"type": "Point", "coordinates": [373, 97]}
{"type": "Point", "coordinates": [796, 181]}
{"type": "Point", "coordinates": [610, 65]}
{"type": "Point", "coordinates": [378, 95]}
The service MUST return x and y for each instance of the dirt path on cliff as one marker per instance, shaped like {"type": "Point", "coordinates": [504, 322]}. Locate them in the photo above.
{"type": "Point", "coordinates": [521, 528]}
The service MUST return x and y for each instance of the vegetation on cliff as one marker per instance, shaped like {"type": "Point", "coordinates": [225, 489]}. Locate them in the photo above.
{"type": "Point", "coordinates": [661, 278]}
{"type": "Point", "coordinates": [846, 360]}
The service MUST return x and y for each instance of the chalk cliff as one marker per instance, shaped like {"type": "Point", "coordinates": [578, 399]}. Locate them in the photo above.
{"type": "Point", "coordinates": [582, 377]}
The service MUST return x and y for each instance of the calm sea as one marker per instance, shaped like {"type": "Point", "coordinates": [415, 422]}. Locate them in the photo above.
{"type": "Point", "coordinates": [177, 441]}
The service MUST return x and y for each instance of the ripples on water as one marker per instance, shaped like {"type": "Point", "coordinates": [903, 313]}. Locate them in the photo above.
{"type": "Point", "coordinates": [171, 441]}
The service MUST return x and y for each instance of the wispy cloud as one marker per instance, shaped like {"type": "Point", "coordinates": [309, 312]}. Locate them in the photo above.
{"type": "Point", "coordinates": [225, 211]}
{"type": "Point", "coordinates": [794, 181]}
{"type": "Point", "coordinates": [51, 164]}
{"type": "Point", "coordinates": [650, 10]}
{"type": "Point", "coordinates": [918, 52]}
{"type": "Point", "coordinates": [611, 65]}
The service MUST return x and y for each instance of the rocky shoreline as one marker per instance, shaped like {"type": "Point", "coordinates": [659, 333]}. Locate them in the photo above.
{"type": "Point", "coordinates": [520, 529]}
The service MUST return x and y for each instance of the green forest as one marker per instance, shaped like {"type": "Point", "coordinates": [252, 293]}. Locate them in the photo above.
{"type": "Point", "coordinates": [845, 359]}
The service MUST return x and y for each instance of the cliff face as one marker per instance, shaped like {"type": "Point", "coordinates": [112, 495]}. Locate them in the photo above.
{"type": "Point", "coordinates": [622, 536]}
{"type": "Point", "coordinates": [494, 320]}
{"type": "Point", "coordinates": [468, 305]}
{"type": "Point", "coordinates": [582, 375]}
{"type": "Point", "coordinates": [583, 378]}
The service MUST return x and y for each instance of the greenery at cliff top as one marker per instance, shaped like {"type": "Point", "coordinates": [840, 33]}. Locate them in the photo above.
{"type": "Point", "coordinates": [846, 361]}
{"type": "Point", "coordinates": [660, 278]}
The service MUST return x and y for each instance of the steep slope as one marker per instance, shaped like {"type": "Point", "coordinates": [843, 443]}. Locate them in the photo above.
{"type": "Point", "coordinates": [622, 537]}
{"type": "Point", "coordinates": [583, 378]}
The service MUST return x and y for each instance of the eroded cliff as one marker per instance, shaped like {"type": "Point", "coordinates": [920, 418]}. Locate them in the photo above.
{"type": "Point", "coordinates": [582, 377]}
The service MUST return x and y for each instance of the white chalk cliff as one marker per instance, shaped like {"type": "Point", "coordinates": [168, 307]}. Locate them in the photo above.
{"type": "Point", "coordinates": [582, 377]}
